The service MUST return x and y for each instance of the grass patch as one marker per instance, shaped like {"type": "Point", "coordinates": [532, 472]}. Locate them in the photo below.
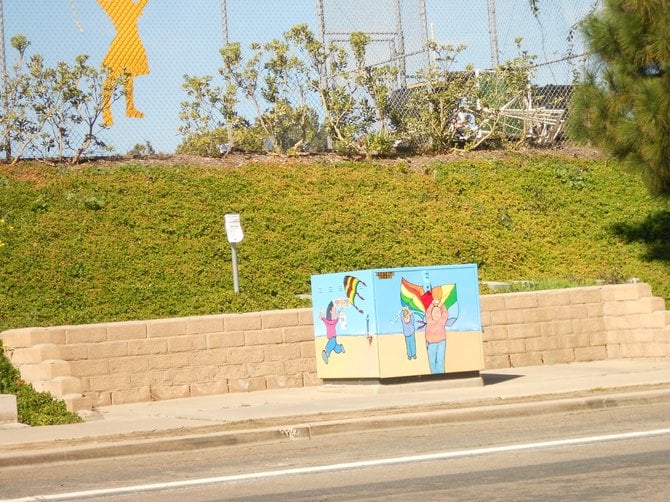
{"type": "Point", "coordinates": [131, 241]}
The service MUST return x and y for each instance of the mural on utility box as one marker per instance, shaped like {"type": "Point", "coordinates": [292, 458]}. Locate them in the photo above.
{"type": "Point", "coordinates": [397, 322]}
{"type": "Point", "coordinates": [436, 309]}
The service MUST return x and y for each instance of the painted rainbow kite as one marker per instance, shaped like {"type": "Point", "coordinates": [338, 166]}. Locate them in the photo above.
{"type": "Point", "coordinates": [411, 296]}
{"type": "Point", "coordinates": [417, 300]}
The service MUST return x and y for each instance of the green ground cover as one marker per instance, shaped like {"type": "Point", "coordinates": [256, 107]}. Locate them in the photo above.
{"type": "Point", "coordinates": [124, 241]}
{"type": "Point", "coordinates": [32, 407]}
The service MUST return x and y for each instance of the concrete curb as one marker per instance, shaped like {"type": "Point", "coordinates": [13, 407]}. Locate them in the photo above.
{"type": "Point", "coordinates": [295, 428]}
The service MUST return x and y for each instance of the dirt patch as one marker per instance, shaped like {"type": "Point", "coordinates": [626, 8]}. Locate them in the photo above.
{"type": "Point", "coordinates": [37, 171]}
{"type": "Point", "coordinates": [235, 159]}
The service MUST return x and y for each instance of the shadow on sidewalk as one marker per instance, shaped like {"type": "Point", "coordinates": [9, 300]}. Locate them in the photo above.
{"type": "Point", "coordinates": [494, 378]}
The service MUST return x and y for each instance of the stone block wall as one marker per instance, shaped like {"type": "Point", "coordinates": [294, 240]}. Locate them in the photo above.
{"type": "Point", "coordinates": [114, 363]}
{"type": "Point", "coordinates": [571, 325]}
{"type": "Point", "coordinates": [125, 362]}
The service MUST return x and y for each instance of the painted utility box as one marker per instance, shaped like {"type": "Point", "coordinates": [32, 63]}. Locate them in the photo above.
{"type": "Point", "coordinates": [400, 322]}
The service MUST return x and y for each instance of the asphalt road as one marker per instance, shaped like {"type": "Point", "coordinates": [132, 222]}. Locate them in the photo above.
{"type": "Point", "coordinates": [613, 454]}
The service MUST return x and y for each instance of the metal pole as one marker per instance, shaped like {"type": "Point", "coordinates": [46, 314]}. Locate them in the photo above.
{"type": "Point", "coordinates": [224, 21]}
{"type": "Point", "coordinates": [224, 30]}
{"type": "Point", "coordinates": [424, 27]}
{"type": "Point", "coordinates": [322, 35]}
{"type": "Point", "coordinates": [401, 45]}
{"type": "Point", "coordinates": [3, 84]}
{"type": "Point", "coordinates": [2, 44]}
{"type": "Point", "coordinates": [323, 71]}
{"type": "Point", "coordinates": [493, 33]}
{"type": "Point", "coordinates": [236, 280]}
{"type": "Point", "coordinates": [322, 20]}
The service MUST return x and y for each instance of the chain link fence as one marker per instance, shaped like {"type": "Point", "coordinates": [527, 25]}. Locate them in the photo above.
{"type": "Point", "coordinates": [184, 38]}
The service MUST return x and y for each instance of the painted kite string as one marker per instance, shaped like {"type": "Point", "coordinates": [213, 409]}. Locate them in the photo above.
{"type": "Point", "coordinates": [76, 17]}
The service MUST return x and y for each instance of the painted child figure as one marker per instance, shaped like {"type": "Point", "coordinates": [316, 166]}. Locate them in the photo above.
{"type": "Point", "coordinates": [330, 320]}
{"type": "Point", "coordinates": [409, 330]}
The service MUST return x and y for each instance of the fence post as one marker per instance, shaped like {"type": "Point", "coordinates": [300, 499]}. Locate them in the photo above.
{"type": "Point", "coordinates": [493, 33]}
{"type": "Point", "coordinates": [401, 45]}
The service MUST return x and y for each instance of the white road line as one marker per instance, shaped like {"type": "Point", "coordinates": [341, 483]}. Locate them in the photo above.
{"type": "Point", "coordinates": [342, 466]}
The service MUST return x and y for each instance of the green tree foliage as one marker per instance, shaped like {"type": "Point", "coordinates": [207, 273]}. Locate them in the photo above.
{"type": "Point", "coordinates": [271, 79]}
{"type": "Point", "coordinates": [362, 110]}
{"type": "Point", "coordinates": [346, 117]}
{"type": "Point", "coordinates": [244, 77]}
{"type": "Point", "coordinates": [427, 114]}
{"type": "Point", "coordinates": [208, 108]}
{"type": "Point", "coordinates": [51, 112]}
{"type": "Point", "coordinates": [17, 127]}
{"type": "Point", "coordinates": [292, 122]}
{"type": "Point", "coordinates": [378, 83]}
{"type": "Point", "coordinates": [143, 241]}
{"type": "Point", "coordinates": [623, 104]}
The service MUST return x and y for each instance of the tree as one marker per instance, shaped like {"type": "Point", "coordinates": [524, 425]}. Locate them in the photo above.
{"type": "Point", "coordinates": [205, 111]}
{"type": "Point", "coordinates": [345, 120]}
{"type": "Point", "coordinates": [354, 101]}
{"type": "Point", "coordinates": [623, 103]}
{"type": "Point", "coordinates": [428, 114]}
{"type": "Point", "coordinates": [50, 112]}
{"type": "Point", "coordinates": [425, 114]}
{"type": "Point", "coordinates": [14, 88]}
{"type": "Point", "coordinates": [67, 100]}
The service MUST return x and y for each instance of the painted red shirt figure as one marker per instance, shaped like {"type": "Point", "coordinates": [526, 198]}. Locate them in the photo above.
{"type": "Point", "coordinates": [330, 320]}
{"type": "Point", "coordinates": [436, 320]}
{"type": "Point", "coordinates": [436, 336]}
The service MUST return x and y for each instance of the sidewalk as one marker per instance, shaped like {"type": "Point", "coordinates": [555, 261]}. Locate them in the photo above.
{"type": "Point", "coordinates": [310, 411]}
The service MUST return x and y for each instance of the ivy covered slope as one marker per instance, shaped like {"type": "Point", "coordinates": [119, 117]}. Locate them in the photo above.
{"type": "Point", "coordinates": [130, 241]}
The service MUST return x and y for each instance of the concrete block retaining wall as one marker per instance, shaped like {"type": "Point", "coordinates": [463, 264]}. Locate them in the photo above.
{"type": "Point", "coordinates": [114, 363]}
{"type": "Point", "coordinates": [8, 413]}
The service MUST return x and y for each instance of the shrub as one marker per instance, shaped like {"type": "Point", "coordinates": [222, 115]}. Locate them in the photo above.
{"type": "Point", "coordinates": [51, 112]}
{"type": "Point", "coordinates": [135, 241]}
{"type": "Point", "coordinates": [210, 144]}
{"type": "Point", "coordinates": [34, 408]}
{"type": "Point", "coordinates": [142, 150]}
{"type": "Point", "coordinates": [205, 143]}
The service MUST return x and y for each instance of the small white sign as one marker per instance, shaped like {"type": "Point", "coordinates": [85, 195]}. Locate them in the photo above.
{"type": "Point", "coordinates": [233, 228]}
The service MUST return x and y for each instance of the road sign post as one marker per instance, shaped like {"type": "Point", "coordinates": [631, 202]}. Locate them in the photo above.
{"type": "Point", "coordinates": [235, 234]}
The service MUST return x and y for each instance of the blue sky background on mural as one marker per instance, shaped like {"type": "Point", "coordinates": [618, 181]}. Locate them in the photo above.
{"type": "Point", "coordinates": [185, 37]}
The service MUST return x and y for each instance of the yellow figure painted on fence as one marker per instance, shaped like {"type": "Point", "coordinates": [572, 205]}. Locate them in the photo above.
{"type": "Point", "coordinates": [126, 57]}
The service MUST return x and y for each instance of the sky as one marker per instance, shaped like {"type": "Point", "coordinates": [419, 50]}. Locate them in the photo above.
{"type": "Point", "coordinates": [184, 38]}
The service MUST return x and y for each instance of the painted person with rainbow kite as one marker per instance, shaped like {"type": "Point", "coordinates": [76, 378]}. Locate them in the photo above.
{"type": "Point", "coordinates": [437, 309]}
